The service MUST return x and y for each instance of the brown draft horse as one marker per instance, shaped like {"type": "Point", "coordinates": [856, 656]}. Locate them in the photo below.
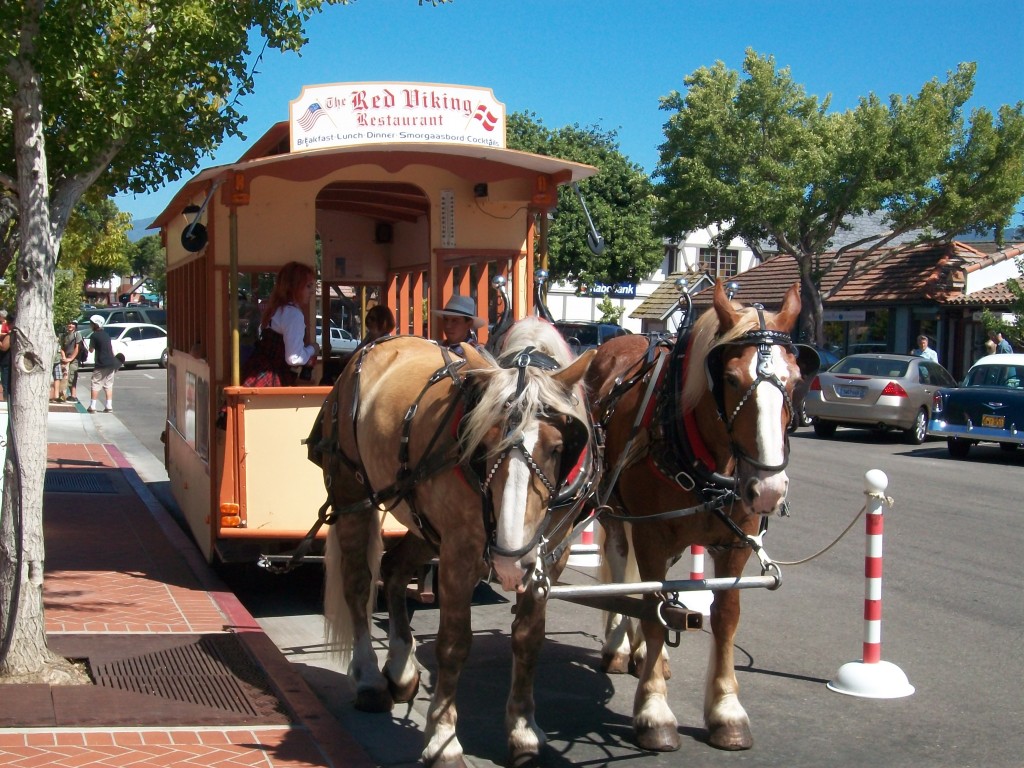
{"type": "Point", "coordinates": [468, 457]}
{"type": "Point", "coordinates": [715, 427]}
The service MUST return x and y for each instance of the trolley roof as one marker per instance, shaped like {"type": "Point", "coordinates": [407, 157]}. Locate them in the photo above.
{"type": "Point", "coordinates": [269, 156]}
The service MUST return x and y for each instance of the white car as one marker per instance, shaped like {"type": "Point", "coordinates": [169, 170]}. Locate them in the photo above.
{"type": "Point", "coordinates": [342, 342]}
{"type": "Point", "coordinates": [135, 344]}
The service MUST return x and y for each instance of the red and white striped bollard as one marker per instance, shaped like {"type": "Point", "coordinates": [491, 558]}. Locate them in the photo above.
{"type": "Point", "coordinates": [871, 677]}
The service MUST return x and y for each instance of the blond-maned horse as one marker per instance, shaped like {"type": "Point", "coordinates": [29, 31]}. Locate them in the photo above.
{"type": "Point", "coordinates": [716, 429]}
{"type": "Point", "coordinates": [469, 456]}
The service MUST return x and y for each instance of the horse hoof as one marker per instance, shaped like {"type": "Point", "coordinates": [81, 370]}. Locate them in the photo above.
{"type": "Point", "coordinates": [404, 693]}
{"type": "Point", "coordinates": [373, 700]}
{"type": "Point", "coordinates": [732, 737]}
{"type": "Point", "coordinates": [661, 738]}
{"type": "Point", "coordinates": [615, 663]}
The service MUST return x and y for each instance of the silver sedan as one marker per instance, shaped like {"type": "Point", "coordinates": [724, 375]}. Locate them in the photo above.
{"type": "Point", "coordinates": [879, 392]}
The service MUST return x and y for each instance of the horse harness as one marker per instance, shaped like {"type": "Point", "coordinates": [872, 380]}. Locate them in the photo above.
{"type": "Point", "coordinates": [571, 489]}
{"type": "Point", "coordinates": [677, 449]}
{"type": "Point", "coordinates": [324, 447]}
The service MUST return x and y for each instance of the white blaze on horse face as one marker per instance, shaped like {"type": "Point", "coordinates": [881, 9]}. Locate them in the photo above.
{"type": "Point", "coordinates": [512, 518]}
{"type": "Point", "coordinates": [771, 438]}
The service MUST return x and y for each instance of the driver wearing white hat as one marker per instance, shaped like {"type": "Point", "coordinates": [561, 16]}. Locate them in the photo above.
{"type": "Point", "coordinates": [104, 368]}
{"type": "Point", "coordinates": [458, 321]}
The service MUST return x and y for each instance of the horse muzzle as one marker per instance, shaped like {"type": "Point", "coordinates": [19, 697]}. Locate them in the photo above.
{"type": "Point", "coordinates": [762, 493]}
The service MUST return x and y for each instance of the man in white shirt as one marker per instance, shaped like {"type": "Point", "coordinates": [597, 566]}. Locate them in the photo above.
{"type": "Point", "coordinates": [923, 350]}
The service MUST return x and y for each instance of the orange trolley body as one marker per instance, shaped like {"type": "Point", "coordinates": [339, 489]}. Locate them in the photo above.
{"type": "Point", "coordinates": [403, 217]}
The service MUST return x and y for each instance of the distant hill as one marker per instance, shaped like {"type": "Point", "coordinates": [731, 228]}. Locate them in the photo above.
{"type": "Point", "coordinates": [138, 230]}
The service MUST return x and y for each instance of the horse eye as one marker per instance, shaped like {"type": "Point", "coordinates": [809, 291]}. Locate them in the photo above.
{"type": "Point", "coordinates": [732, 380]}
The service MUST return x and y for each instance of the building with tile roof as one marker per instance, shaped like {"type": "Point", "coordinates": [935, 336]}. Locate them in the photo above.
{"type": "Point", "coordinates": [937, 290]}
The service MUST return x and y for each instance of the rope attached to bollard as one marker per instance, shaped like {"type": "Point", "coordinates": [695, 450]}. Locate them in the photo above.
{"type": "Point", "coordinates": [870, 494]}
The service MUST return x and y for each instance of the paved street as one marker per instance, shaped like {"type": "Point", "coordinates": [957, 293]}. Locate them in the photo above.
{"type": "Point", "coordinates": [953, 620]}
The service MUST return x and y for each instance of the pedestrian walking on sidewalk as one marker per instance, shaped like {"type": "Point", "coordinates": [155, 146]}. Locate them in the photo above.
{"type": "Point", "coordinates": [70, 345]}
{"type": "Point", "coordinates": [105, 367]}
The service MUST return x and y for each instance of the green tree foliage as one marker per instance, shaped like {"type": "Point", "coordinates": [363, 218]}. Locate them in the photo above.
{"type": "Point", "coordinates": [67, 299]}
{"type": "Point", "coordinates": [125, 95]}
{"type": "Point", "coordinates": [610, 313]}
{"type": "Point", "coordinates": [149, 260]}
{"type": "Point", "coordinates": [620, 199]}
{"type": "Point", "coordinates": [757, 155]}
{"type": "Point", "coordinates": [95, 242]}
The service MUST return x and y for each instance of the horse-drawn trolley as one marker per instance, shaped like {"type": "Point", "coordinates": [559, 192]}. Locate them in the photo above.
{"type": "Point", "coordinates": [396, 193]}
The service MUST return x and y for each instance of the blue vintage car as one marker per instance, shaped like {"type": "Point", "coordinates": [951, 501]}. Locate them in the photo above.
{"type": "Point", "coordinates": [988, 407]}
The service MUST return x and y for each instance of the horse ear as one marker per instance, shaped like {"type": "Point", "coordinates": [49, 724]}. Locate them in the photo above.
{"type": "Point", "coordinates": [727, 314]}
{"type": "Point", "coordinates": [790, 311]}
{"type": "Point", "coordinates": [572, 375]}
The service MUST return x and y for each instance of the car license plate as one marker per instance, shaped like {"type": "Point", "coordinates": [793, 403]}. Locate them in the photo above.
{"type": "Point", "coordinates": [995, 422]}
{"type": "Point", "coordinates": [854, 392]}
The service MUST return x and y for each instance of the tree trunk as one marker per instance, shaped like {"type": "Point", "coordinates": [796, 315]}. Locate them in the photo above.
{"type": "Point", "coordinates": [812, 323]}
{"type": "Point", "coordinates": [34, 344]}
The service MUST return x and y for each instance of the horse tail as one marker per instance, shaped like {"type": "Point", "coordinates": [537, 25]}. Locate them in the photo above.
{"type": "Point", "coordinates": [339, 624]}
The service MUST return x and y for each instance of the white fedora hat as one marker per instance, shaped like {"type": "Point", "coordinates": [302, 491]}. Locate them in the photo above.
{"type": "Point", "coordinates": [461, 306]}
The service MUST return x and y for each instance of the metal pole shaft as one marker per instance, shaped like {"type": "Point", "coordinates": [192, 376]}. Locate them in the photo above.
{"type": "Point", "coordinates": [564, 591]}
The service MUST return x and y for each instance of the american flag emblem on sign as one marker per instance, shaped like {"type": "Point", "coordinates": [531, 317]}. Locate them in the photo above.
{"type": "Point", "coordinates": [485, 117]}
{"type": "Point", "coordinates": [313, 113]}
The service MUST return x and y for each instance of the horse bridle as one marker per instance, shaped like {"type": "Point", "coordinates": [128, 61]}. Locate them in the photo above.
{"type": "Point", "coordinates": [764, 339]}
{"type": "Point", "coordinates": [526, 358]}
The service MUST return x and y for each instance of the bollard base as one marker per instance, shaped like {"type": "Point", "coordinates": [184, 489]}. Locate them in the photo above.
{"type": "Point", "coordinates": [880, 680]}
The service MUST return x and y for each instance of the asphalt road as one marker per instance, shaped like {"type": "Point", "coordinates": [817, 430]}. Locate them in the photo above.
{"type": "Point", "coordinates": [953, 622]}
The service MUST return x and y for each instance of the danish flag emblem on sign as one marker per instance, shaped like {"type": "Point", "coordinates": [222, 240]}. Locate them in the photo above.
{"type": "Point", "coordinates": [485, 117]}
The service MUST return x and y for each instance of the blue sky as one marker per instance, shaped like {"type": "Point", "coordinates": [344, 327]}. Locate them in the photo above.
{"type": "Point", "coordinates": [607, 62]}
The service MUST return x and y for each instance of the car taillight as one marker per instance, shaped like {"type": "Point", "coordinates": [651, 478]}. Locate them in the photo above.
{"type": "Point", "coordinates": [892, 389]}
{"type": "Point", "coordinates": [937, 403]}
{"type": "Point", "coordinates": [815, 385]}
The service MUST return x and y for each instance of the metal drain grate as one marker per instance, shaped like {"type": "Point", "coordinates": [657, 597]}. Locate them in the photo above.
{"type": "Point", "coordinates": [213, 672]}
{"type": "Point", "coordinates": [77, 481]}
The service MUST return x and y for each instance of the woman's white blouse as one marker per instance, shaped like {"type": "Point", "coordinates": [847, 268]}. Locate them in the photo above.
{"type": "Point", "coordinates": [290, 322]}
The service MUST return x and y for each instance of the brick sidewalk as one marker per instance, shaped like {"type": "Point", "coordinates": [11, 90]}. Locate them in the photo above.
{"type": "Point", "coordinates": [126, 590]}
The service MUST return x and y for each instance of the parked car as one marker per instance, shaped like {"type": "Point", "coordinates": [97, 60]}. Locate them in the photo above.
{"type": "Point", "coordinates": [876, 392]}
{"type": "Point", "coordinates": [342, 342]}
{"type": "Point", "coordinates": [987, 407]}
{"type": "Point", "coordinates": [150, 315]}
{"type": "Point", "coordinates": [583, 336]}
{"type": "Point", "coordinates": [135, 344]}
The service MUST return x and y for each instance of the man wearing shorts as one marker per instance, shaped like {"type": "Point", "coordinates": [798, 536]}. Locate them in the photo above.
{"type": "Point", "coordinates": [105, 367]}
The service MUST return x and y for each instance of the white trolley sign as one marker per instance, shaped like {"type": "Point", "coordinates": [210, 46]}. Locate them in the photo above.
{"type": "Point", "coordinates": [351, 114]}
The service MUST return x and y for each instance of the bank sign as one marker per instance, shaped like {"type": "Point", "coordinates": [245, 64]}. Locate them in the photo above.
{"type": "Point", "coordinates": [615, 291]}
{"type": "Point", "coordinates": [352, 114]}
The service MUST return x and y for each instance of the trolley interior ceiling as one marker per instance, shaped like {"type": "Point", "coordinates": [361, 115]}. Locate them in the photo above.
{"type": "Point", "coordinates": [382, 201]}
